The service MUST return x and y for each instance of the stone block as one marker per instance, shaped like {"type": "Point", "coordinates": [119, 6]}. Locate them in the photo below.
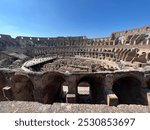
{"type": "Point", "coordinates": [111, 98]}
{"type": "Point", "coordinates": [71, 98]}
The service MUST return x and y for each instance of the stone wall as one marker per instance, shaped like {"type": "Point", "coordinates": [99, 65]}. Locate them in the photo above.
{"type": "Point", "coordinates": [120, 46]}
{"type": "Point", "coordinates": [48, 87]}
{"type": "Point", "coordinates": [130, 46]}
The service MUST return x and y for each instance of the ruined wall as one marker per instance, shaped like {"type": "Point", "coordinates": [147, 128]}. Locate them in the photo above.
{"type": "Point", "coordinates": [130, 46]}
{"type": "Point", "coordinates": [47, 87]}
{"type": "Point", "coordinates": [99, 48]}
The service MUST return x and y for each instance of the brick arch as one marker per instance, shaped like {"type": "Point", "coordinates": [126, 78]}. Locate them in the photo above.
{"type": "Point", "coordinates": [2, 84]}
{"type": "Point", "coordinates": [52, 90]}
{"type": "Point", "coordinates": [128, 89]}
{"type": "Point", "coordinates": [119, 53]}
{"type": "Point", "coordinates": [96, 88]}
{"type": "Point", "coordinates": [22, 88]}
{"type": "Point", "coordinates": [131, 54]}
{"type": "Point", "coordinates": [122, 54]}
{"type": "Point", "coordinates": [126, 54]}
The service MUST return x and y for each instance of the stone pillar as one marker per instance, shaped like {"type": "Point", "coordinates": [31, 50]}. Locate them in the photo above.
{"type": "Point", "coordinates": [109, 81]}
{"type": "Point", "coordinates": [110, 97]}
{"type": "Point", "coordinates": [114, 42]}
{"type": "Point", "coordinates": [134, 42]}
{"type": "Point", "coordinates": [71, 96]}
{"type": "Point", "coordinates": [72, 88]}
{"type": "Point", "coordinates": [147, 42]}
{"type": "Point", "coordinates": [38, 89]}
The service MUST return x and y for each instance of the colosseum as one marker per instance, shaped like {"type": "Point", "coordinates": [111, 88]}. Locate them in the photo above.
{"type": "Point", "coordinates": [111, 70]}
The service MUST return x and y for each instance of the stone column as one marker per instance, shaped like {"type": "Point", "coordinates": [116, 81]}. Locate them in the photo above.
{"type": "Point", "coordinates": [110, 97]}
{"type": "Point", "coordinates": [97, 92]}
{"type": "Point", "coordinates": [38, 89]}
{"type": "Point", "coordinates": [114, 42]}
{"type": "Point", "coordinates": [71, 96]}
{"type": "Point", "coordinates": [147, 42]}
{"type": "Point", "coordinates": [109, 81]}
{"type": "Point", "coordinates": [134, 42]}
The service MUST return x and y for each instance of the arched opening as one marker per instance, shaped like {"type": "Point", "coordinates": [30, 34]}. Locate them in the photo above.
{"type": "Point", "coordinates": [90, 90]}
{"type": "Point", "coordinates": [84, 92]}
{"type": "Point", "coordinates": [52, 87]}
{"type": "Point", "coordinates": [2, 84]}
{"type": "Point", "coordinates": [22, 88]}
{"type": "Point", "coordinates": [128, 90]}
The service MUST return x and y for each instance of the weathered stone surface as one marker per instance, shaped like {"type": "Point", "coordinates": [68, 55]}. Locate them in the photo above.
{"type": "Point", "coordinates": [33, 107]}
{"type": "Point", "coordinates": [18, 107]}
{"type": "Point", "coordinates": [40, 67]}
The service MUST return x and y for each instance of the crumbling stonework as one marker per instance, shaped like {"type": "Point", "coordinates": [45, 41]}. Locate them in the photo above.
{"type": "Point", "coordinates": [115, 69]}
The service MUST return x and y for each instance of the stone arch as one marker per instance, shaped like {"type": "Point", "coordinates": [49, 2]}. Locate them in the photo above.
{"type": "Point", "coordinates": [131, 55]}
{"type": "Point", "coordinates": [83, 92]}
{"type": "Point", "coordinates": [119, 53]}
{"type": "Point", "coordinates": [96, 88]}
{"type": "Point", "coordinates": [22, 88]}
{"type": "Point", "coordinates": [140, 58]}
{"type": "Point", "coordinates": [2, 84]}
{"type": "Point", "coordinates": [125, 54]}
{"type": "Point", "coordinates": [128, 90]}
{"type": "Point", "coordinates": [122, 54]}
{"type": "Point", "coordinates": [52, 87]}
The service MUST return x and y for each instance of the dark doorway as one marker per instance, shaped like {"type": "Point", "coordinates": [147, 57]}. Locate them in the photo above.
{"type": "Point", "coordinates": [128, 90]}
{"type": "Point", "coordinates": [52, 88]}
{"type": "Point", "coordinates": [90, 90]}
{"type": "Point", "coordinates": [22, 88]}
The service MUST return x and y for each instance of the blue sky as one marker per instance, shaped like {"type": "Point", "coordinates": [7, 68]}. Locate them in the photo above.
{"type": "Point", "coordinates": [91, 18]}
